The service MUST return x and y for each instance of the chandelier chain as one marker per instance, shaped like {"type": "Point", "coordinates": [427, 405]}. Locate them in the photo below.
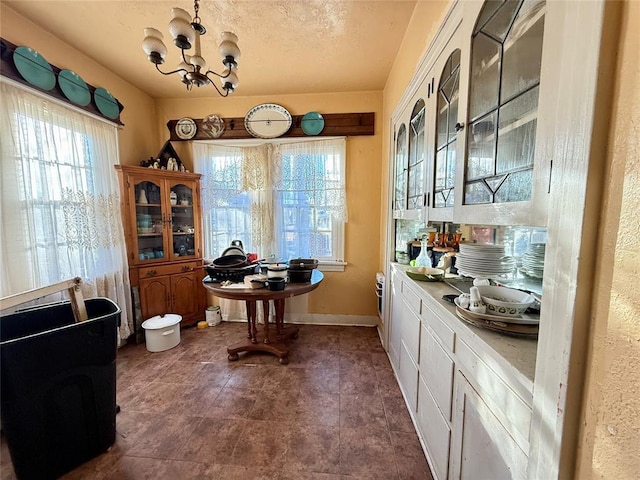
{"type": "Point", "coordinates": [196, 7]}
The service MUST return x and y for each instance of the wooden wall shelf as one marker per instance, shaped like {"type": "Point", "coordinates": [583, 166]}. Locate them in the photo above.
{"type": "Point", "coordinates": [335, 125]}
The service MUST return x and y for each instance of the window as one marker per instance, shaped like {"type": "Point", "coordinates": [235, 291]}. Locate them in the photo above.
{"type": "Point", "coordinates": [281, 199]}
{"type": "Point", "coordinates": [60, 197]}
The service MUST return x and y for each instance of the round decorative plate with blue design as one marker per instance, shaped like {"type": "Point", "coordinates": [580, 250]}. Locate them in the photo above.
{"type": "Point", "coordinates": [312, 123]}
{"type": "Point", "coordinates": [74, 87]}
{"type": "Point", "coordinates": [34, 68]}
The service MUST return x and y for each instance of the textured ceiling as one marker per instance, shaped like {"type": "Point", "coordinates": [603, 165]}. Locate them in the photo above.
{"type": "Point", "coordinates": [288, 46]}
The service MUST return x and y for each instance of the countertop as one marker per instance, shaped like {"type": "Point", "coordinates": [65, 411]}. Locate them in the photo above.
{"type": "Point", "coordinates": [515, 356]}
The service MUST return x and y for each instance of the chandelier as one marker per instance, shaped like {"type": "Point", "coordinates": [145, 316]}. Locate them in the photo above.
{"type": "Point", "coordinates": [186, 32]}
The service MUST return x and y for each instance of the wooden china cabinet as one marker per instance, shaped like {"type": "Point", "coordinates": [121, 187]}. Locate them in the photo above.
{"type": "Point", "coordinates": [163, 230]}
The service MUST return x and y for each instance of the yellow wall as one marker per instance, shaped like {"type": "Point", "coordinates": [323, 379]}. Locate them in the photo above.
{"type": "Point", "coordinates": [145, 131]}
{"type": "Point", "coordinates": [350, 292]}
{"type": "Point", "coordinates": [426, 19]}
{"type": "Point", "coordinates": [137, 139]}
{"type": "Point", "coordinates": [609, 440]}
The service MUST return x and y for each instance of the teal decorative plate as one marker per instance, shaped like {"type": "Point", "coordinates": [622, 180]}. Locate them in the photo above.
{"type": "Point", "coordinates": [74, 87]}
{"type": "Point", "coordinates": [312, 123]}
{"type": "Point", "coordinates": [34, 68]}
{"type": "Point", "coordinates": [106, 103]}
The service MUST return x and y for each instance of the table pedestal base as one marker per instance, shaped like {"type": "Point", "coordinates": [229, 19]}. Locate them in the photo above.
{"type": "Point", "coordinates": [275, 345]}
{"type": "Point", "coordinates": [265, 339]}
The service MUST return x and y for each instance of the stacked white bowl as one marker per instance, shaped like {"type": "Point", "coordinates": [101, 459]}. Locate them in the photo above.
{"type": "Point", "coordinates": [481, 260]}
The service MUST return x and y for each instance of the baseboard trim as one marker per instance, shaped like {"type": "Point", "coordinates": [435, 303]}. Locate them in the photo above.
{"type": "Point", "coordinates": [323, 319]}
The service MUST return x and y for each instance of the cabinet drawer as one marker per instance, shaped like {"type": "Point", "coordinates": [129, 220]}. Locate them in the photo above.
{"type": "Point", "coordinates": [444, 334]}
{"type": "Point", "coordinates": [411, 298]}
{"type": "Point", "coordinates": [435, 431]}
{"type": "Point", "coordinates": [436, 370]}
{"type": "Point", "coordinates": [408, 377]}
{"type": "Point", "coordinates": [155, 271]}
{"type": "Point", "coordinates": [512, 411]}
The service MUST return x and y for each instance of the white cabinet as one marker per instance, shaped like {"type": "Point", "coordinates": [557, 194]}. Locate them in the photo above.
{"type": "Point", "coordinates": [503, 176]}
{"type": "Point", "coordinates": [409, 158]}
{"type": "Point", "coordinates": [435, 392]}
{"type": "Point", "coordinates": [445, 135]}
{"type": "Point", "coordinates": [486, 90]}
{"type": "Point", "coordinates": [436, 368]}
{"type": "Point", "coordinates": [395, 322]}
{"type": "Point", "coordinates": [408, 377]}
{"type": "Point", "coordinates": [436, 431]}
{"type": "Point", "coordinates": [462, 396]}
{"type": "Point", "coordinates": [482, 447]}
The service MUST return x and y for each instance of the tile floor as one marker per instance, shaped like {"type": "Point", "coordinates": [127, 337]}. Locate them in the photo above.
{"type": "Point", "coordinates": [334, 412]}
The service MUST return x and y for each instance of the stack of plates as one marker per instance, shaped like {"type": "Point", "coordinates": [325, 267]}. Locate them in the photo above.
{"type": "Point", "coordinates": [533, 260]}
{"type": "Point", "coordinates": [483, 260]}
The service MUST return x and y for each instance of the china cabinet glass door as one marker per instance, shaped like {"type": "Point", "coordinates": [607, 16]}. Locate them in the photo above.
{"type": "Point", "coordinates": [446, 133]}
{"type": "Point", "coordinates": [401, 160]}
{"type": "Point", "coordinates": [150, 221]}
{"type": "Point", "coordinates": [416, 186]}
{"type": "Point", "coordinates": [182, 239]}
{"type": "Point", "coordinates": [506, 60]}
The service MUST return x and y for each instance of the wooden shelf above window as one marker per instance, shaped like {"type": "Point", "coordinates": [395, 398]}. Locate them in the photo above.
{"type": "Point", "coordinates": [335, 125]}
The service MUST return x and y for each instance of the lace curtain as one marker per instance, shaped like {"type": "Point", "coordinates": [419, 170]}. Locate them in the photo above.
{"type": "Point", "coordinates": [60, 208]}
{"type": "Point", "coordinates": [242, 184]}
{"type": "Point", "coordinates": [296, 168]}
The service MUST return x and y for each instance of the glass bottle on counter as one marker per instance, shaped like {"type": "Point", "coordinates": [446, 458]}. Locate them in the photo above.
{"type": "Point", "coordinates": [423, 259]}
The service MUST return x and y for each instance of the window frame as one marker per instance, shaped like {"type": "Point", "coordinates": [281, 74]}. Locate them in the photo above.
{"type": "Point", "coordinates": [336, 262]}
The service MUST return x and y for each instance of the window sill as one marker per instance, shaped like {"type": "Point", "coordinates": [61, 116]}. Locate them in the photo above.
{"type": "Point", "coordinates": [328, 266]}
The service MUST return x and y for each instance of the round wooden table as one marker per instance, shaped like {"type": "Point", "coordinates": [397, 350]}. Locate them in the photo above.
{"type": "Point", "coordinates": [264, 338]}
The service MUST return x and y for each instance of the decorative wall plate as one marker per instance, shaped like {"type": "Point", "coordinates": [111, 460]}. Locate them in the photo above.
{"type": "Point", "coordinates": [106, 103]}
{"type": "Point", "coordinates": [34, 68]}
{"type": "Point", "coordinates": [312, 123]}
{"type": "Point", "coordinates": [186, 128]}
{"type": "Point", "coordinates": [212, 126]}
{"type": "Point", "coordinates": [267, 120]}
{"type": "Point", "coordinates": [74, 87]}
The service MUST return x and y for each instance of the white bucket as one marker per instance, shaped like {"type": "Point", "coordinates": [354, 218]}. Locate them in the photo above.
{"type": "Point", "coordinates": [162, 333]}
{"type": "Point", "coordinates": [213, 316]}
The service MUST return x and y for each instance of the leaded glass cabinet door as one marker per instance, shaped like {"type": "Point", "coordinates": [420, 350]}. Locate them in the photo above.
{"type": "Point", "coordinates": [504, 84]}
{"type": "Point", "coordinates": [446, 144]}
{"type": "Point", "coordinates": [401, 171]}
{"type": "Point", "coordinates": [416, 167]}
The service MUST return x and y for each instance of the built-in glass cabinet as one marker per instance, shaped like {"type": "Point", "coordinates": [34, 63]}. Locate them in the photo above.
{"type": "Point", "coordinates": [465, 137]}
{"type": "Point", "coordinates": [506, 56]}
{"type": "Point", "coordinates": [401, 169]}
{"type": "Point", "coordinates": [416, 170]}
{"type": "Point", "coordinates": [447, 128]}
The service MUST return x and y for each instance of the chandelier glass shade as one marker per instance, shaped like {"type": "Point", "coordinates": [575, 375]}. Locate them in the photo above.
{"type": "Point", "coordinates": [186, 33]}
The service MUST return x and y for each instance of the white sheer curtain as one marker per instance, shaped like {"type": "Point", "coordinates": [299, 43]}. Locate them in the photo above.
{"type": "Point", "coordinates": [235, 203]}
{"type": "Point", "coordinates": [60, 209]}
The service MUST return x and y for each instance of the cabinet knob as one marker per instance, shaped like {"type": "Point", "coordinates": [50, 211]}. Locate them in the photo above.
{"type": "Point", "coordinates": [459, 126]}
{"type": "Point", "coordinates": [186, 268]}
{"type": "Point", "coordinates": [152, 273]}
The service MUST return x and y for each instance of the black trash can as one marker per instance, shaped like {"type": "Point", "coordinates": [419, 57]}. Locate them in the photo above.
{"type": "Point", "coordinates": [58, 386]}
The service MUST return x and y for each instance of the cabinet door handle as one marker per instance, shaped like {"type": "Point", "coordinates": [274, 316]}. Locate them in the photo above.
{"type": "Point", "coordinates": [187, 268]}
{"type": "Point", "coordinates": [169, 299]}
{"type": "Point", "coordinates": [152, 273]}
{"type": "Point", "coordinates": [459, 126]}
